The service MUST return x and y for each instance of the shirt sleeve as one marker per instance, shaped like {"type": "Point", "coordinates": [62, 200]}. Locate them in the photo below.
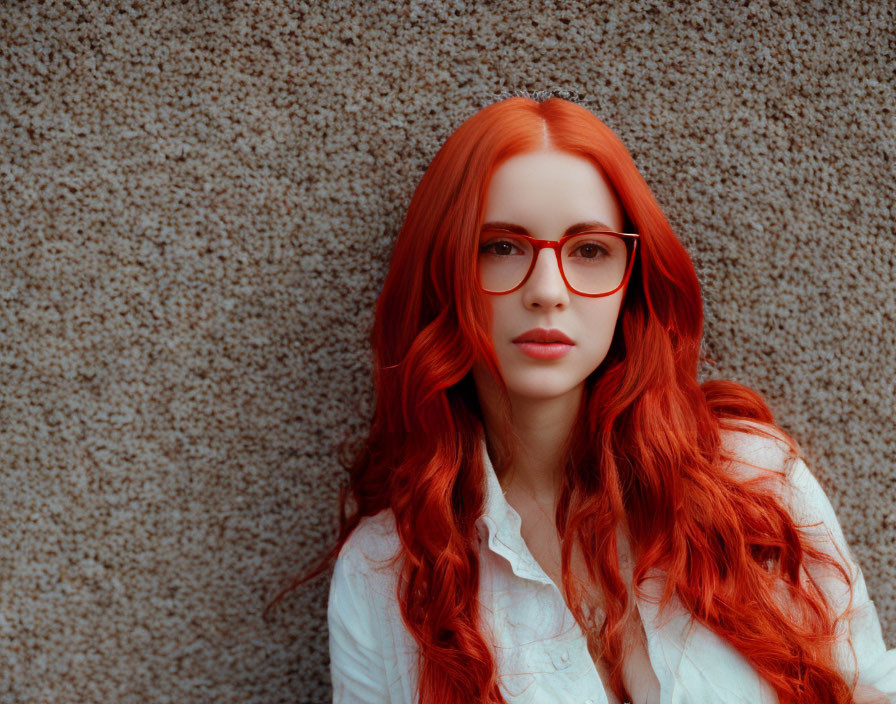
{"type": "Point", "coordinates": [861, 646]}
{"type": "Point", "coordinates": [357, 670]}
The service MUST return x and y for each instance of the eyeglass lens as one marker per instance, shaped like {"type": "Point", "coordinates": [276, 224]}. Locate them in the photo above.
{"type": "Point", "coordinates": [592, 262]}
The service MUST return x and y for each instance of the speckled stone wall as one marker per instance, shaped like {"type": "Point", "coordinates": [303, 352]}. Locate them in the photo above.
{"type": "Point", "coordinates": [197, 203]}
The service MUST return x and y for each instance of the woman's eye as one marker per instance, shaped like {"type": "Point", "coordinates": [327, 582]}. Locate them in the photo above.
{"type": "Point", "coordinates": [499, 247]}
{"type": "Point", "coordinates": [589, 250]}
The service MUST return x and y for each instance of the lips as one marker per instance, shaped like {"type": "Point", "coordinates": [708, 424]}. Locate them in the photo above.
{"type": "Point", "coordinates": [544, 336]}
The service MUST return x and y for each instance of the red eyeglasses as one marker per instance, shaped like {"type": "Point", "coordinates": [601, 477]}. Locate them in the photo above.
{"type": "Point", "coordinates": [596, 263]}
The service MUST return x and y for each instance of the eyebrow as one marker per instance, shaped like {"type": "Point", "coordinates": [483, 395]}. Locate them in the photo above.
{"type": "Point", "coordinates": [572, 230]}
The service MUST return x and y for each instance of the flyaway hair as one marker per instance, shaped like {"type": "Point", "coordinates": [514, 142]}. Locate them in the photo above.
{"type": "Point", "coordinates": [645, 455]}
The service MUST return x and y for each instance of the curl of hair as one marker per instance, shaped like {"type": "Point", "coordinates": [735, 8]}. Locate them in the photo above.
{"type": "Point", "coordinates": [645, 453]}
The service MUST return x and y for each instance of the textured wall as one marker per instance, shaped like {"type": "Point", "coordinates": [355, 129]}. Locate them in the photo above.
{"type": "Point", "coordinates": [197, 203]}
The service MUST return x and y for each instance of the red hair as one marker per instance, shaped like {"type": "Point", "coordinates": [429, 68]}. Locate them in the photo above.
{"type": "Point", "coordinates": [645, 452]}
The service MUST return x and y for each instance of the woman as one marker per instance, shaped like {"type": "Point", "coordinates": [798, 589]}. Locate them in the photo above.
{"type": "Point", "coordinates": [549, 507]}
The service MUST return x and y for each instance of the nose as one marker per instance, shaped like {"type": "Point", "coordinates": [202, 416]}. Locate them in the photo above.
{"type": "Point", "coordinates": [545, 287]}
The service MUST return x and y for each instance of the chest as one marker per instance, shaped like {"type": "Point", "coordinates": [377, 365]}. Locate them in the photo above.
{"type": "Point", "coordinates": [543, 541]}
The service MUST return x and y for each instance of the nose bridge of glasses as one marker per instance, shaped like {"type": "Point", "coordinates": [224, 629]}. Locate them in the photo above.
{"type": "Point", "coordinates": [553, 255]}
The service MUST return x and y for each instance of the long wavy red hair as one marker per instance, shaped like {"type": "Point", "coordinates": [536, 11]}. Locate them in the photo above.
{"type": "Point", "coordinates": [645, 451]}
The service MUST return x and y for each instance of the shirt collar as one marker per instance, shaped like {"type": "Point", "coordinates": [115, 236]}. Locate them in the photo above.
{"type": "Point", "coordinates": [500, 526]}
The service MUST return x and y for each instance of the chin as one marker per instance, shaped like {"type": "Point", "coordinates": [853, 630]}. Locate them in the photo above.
{"type": "Point", "coordinates": [541, 389]}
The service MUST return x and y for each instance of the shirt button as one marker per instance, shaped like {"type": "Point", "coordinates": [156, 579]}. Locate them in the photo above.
{"type": "Point", "coordinates": [560, 659]}
{"type": "Point", "coordinates": [589, 701]}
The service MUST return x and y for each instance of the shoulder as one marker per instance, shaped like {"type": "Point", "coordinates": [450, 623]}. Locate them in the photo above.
{"type": "Point", "coordinates": [761, 453]}
{"type": "Point", "coordinates": [371, 552]}
{"type": "Point", "coordinates": [365, 579]}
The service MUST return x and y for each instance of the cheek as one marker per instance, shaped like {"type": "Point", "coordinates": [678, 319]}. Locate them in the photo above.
{"type": "Point", "coordinates": [600, 321]}
{"type": "Point", "coordinates": [495, 322]}
{"type": "Point", "coordinates": [603, 313]}
{"type": "Point", "coordinates": [498, 314]}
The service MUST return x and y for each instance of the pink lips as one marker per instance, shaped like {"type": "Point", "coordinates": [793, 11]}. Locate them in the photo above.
{"type": "Point", "coordinates": [542, 343]}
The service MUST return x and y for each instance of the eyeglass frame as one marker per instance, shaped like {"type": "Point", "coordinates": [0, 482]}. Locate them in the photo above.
{"type": "Point", "coordinates": [557, 246]}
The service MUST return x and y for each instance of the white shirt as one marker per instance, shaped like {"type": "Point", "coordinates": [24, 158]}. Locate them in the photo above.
{"type": "Point", "coordinates": [540, 650]}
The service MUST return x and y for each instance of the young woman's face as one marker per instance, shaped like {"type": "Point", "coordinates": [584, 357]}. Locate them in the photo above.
{"type": "Point", "coordinates": [547, 192]}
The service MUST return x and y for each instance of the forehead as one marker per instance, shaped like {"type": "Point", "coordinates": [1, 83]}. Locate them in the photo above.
{"type": "Point", "coordinates": [546, 191]}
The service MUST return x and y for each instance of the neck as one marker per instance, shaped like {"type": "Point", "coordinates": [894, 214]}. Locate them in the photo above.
{"type": "Point", "coordinates": [538, 429]}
